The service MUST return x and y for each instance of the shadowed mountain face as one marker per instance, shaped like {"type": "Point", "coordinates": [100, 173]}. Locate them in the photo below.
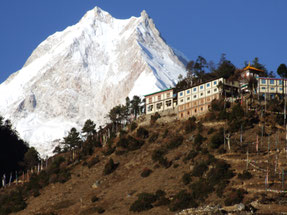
{"type": "Point", "coordinates": [84, 71]}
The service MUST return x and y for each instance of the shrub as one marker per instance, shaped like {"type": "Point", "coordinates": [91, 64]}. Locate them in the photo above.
{"type": "Point", "coordinates": [175, 142]}
{"type": "Point", "coordinates": [199, 126]}
{"type": "Point", "coordinates": [210, 131]}
{"type": "Point", "coordinates": [217, 139]}
{"type": "Point", "coordinates": [220, 187]}
{"type": "Point", "coordinates": [165, 133]}
{"type": "Point", "coordinates": [199, 169]}
{"type": "Point", "coordinates": [201, 189]}
{"type": "Point", "coordinates": [219, 172]}
{"type": "Point", "coordinates": [121, 152]}
{"type": "Point", "coordinates": [110, 167]}
{"type": "Point", "coordinates": [198, 140]}
{"type": "Point", "coordinates": [186, 178]}
{"type": "Point", "coordinates": [190, 125]}
{"type": "Point", "coordinates": [100, 210]}
{"type": "Point", "coordinates": [235, 118]}
{"type": "Point", "coordinates": [87, 149]}
{"type": "Point", "coordinates": [158, 154]}
{"type": "Point", "coordinates": [63, 176]}
{"type": "Point", "coordinates": [134, 125]}
{"type": "Point", "coordinates": [12, 202]}
{"type": "Point", "coordinates": [234, 197]}
{"type": "Point", "coordinates": [146, 172]}
{"type": "Point", "coordinates": [142, 133]}
{"type": "Point", "coordinates": [110, 150]}
{"type": "Point", "coordinates": [191, 155]}
{"type": "Point", "coordinates": [153, 138]}
{"type": "Point", "coordinates": [245, 175]}
{"type": "Point", "coordinates": [130, 143]}
{"type": "Point", "coordinates": [217, 105]}
{"type": "Point", "coordinates": [94, 199]}
{"type": "Point", "coordinates": [93, 161]}
{"type": "Point", "coordinates": [182, 200]}
{"type": "Point", "coordinates": [154, 118]}
{"type": "Point", "coordinates": [161, 199]}
{"type": "Point", "coordinates": [143, 203]}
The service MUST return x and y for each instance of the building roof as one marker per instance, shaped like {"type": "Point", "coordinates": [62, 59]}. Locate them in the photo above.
{"type": "Point", "coordinates": [252, 68]}
{"type": "Point", "coordinates": [158, 92]}
{"type": "Point", "coordinates": [267, 78]}
{"type": "Point", "coordinates": [204, 82]}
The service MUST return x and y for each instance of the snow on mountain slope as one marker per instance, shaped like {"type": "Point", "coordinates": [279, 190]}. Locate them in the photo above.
{"type": "Point", "coordinates": [84, 71]}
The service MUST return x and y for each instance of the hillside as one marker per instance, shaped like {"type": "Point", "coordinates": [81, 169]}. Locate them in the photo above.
{"type": "Point", "coordinates": [172, 156]}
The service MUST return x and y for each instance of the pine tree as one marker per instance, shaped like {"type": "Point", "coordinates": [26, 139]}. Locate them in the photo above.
{"type": "Point", "coordinates": [282, 71]}
{"type": "Point", "coordinates": [73, 139]}
{"type": "Point", "coordinates": [31, 158]}
{"type": "Point", "coordinates": [89, 127]}
{"type": "Point", "coordinates": [136, 105]}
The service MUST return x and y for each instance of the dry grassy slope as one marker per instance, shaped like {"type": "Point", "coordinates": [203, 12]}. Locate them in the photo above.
{"type": "Point", "coordinates": [119, 190]}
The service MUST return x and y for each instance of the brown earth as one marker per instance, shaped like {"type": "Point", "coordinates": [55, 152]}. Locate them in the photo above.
{"type": "Point", "coordinates": [117, 191]}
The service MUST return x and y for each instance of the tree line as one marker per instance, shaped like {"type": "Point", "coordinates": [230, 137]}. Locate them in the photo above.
{"type": "Point", "coordinates": [200, 70]}
{"type": "Point", "coordinates": [15, 154]}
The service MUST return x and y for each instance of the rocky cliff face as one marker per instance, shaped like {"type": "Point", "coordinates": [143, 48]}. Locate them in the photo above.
{"type": "Point", "coordinates": [82, 72]}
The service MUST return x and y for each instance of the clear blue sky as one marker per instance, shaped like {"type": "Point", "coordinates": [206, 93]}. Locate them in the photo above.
{"type": "Point", "coordinates": [242, 29]}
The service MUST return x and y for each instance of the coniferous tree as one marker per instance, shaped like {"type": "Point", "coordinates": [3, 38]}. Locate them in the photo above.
{"type": "Point", "coordinates": [73, 139]}
{"type": "Point", "coordinates": [282, 71]}
{"type": "Point", "coordinates": [136, 105]}
{"type": "Point", "coordinates": [117, 114]}
{"type": "Point", "coordinates": [12, 149]}
{"type": "Point", "coordinates": [31, 158]}
{"type": "Point", "coordinates": [89, 127]}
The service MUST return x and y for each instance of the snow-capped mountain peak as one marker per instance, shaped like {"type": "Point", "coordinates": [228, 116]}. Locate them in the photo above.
{"type": "Point", "coordinates": [84, 71]}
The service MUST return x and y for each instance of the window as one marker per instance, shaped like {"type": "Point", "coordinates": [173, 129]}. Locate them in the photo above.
{"type": "Point", "coordinates": [188, 98]}
{"type": "Point", "coordinates": [181, 115]}
{"type": "Point", "coordinates": [263, 81]}
{"type": "Point", "coordinates": [263, 88]}
{"type": "Point", "coordinates": [159, 97]}
{"type": "Point", "coordinates": [201, 87]}
{"type": "Point", "coordinates": [181, 100]}
{"type": "Point", "coordinates": [187, 112]}
{"type": "Point", "coordinates": [280, 82]}
{"type": "Point", "coordinates": [194, 96]}
{"type": "Point", "coordinates": [280, 88]}
{"type": "Point", "coordinates": [168, 95]}
{"type": "Point", "coordinates": [271, 81]}
{"type": "Point", "coordinates": [181, 93]}
{"type": "Point", "coordinates": [272, 88]}
{"type": "Point", "coordinates": [168, 103]}
{"type": "Point", "coordinates": [194, 89]}
{"type": "Point", "coordinates": [188, 91]}
{"type": "Point", "coordinates": [201, 94]}
{"type": "Point", "coordinates": [149, 100]}
{"type": "Point", "coordinates": [150, 108]}
{"type": "Point", "coordinates": [215, 82]}
{"type": "Point", "coordinates": [208, 92]}
{"type": "Point", "coordinates": [215, 90]}
{"type": "Point", "coordinates": [208, 85]}
{"type": "Point", "coordinates": [158, 105]}
{"type": "Point", "coordinates": [195, 110]}
{"type": "Point", "coordinates": [201, 108]}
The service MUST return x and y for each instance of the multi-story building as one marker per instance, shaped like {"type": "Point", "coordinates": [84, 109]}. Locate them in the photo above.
{"type": "Point", "coordinates": [159, 101]}
{"type": "Point", "coordinates": [270, 87]}
{"type": "Point", "coordinates": [197, 99]}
